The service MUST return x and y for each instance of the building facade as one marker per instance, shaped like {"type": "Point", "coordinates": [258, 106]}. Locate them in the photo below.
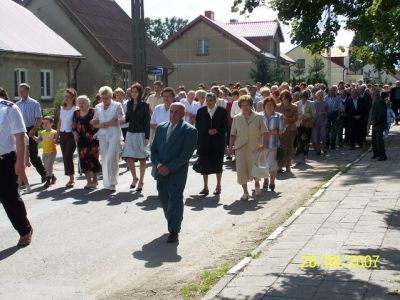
{"type": "Point", "coordinates": [30, 52]}
{"type": "Point", "coordinates": [102, 32]}
{"type": "Point", "coordinates": [207, 51]}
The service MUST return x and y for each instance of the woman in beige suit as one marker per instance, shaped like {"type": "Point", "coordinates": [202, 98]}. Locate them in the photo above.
{"type": "Point", "coordinates": [246, 139]}
{"type": "Point", "coordinates": [290, 116]}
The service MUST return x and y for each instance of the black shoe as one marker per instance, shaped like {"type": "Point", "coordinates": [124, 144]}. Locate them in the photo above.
{"type": "Point", "coordinates": [333, 147]}
{"type": "Point", "coordinates": [204, 192]}
{"type": "Point", "coordinates": [173, 237]}
{"type": "Point", "coordinates": [318, 153]}
{"type": "Point", "coordinates": [229, 158]}
{"type": "Point", "coordinates": [374, 156]}
{"type": "Point", "coordinates": [382, 158]}
{"type": "Point", "coordinates": [272, 187]}
{"type": "Point", "coordinates": [48, 182]}
{"type": "Point", "coordinates": [217, 191]}
{"type": "Point", "coordinates": [53, 179]}
{"type": "Point", "coordinates": [44, 178]}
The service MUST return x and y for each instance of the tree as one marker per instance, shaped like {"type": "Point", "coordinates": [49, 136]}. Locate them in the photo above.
{"type": "Point", "coordinates": [316, 71]}
{"type": "Point", "coordinates": [315, 25]}
{"type": "Point", "coordinates": [299, 71]}
{"type": "Point", "coordinates": [354, 63]}
{"type": "Point", "coordinates": [159, 30]}
{"type": "Point", "coordinates": [266, 71]}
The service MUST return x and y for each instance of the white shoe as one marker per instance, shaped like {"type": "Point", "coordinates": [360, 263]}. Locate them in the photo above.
{"type": "Point", "coordinates": [28, 189]}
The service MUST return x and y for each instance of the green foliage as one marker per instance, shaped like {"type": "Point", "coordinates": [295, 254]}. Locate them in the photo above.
{"type": "Point", "coordinates": [207, 280]}
{"type": "Point", "coordinates": [354, 63]}
{"type": "Point", "coordinates": [159, 30]}
{"type": "Point", "coordinates": [114, 79]}
{"type": "Point", "coordinates": [298, 70]}
{"type": "Point", "coordinates": [315, 25]}
{"type": "Point", "coordinates": [57, 102]}
{"type": "Point", "coordinates": [266, 71]}
{"type": "Point", "coordinates": [316, 71]}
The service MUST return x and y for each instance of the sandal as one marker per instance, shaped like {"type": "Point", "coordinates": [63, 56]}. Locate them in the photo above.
{"type": "Point", "coordinates": [217, 190]}
{"type": "Point", "coordinates": [204, 192]}
{"type": "Point", "coordinates": [140, 187]}
{"type": "Point", "coordinates": [70, 184]}
{"type": "Point", "coordinates": [134, 182]}
{"type": "Point", "coordinates": [245, 197]}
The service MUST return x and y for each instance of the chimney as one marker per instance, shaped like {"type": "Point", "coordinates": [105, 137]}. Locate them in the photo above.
{"type": "Point", "coordinates": [209, 14]}
{"type": "Point", "coordinates": [233, 21]}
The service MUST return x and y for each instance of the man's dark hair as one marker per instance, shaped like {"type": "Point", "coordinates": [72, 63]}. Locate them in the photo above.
{"type": "Point", "coordinates": [168, 90]}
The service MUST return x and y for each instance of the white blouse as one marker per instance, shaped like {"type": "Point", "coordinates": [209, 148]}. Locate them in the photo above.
{"type": "Point", "coordinates": [66, 119]}
{"type": "Point", "coordinates": [113, 112]}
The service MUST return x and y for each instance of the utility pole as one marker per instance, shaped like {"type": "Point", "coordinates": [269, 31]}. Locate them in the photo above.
{"type": "Point", "coordinates": [329, 53]}
{"type": "Point", "coordinates": [139, 69]}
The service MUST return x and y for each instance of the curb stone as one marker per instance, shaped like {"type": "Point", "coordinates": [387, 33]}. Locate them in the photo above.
{"type": "Point", "coordinates": [234, 271]}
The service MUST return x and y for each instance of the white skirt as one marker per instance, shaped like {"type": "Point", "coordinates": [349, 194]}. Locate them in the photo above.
{"type": "Point", "coordinates": [134, 146]}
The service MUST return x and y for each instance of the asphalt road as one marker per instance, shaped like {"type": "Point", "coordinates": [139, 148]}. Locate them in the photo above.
{"type": "Point", "coordinates": [90, 244]}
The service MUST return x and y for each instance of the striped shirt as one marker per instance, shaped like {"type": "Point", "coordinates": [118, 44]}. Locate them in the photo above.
{"type": "Point", "coordinates": [333, 103]}
{"type": "Point", "coordinates": [276, 122]}
{"type": "Point", "coordinates": [30, 110]}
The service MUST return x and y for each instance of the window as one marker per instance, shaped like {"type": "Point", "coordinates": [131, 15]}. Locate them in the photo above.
{"type": "Point", "coordinates": [202, 47]}
{"type": "Point", "coordinates": [46, 84]}
{"type": "Point", "coordinates": [20, 76]}
{"type": "Point", "coordinates": [126, 78]}
{"type": "Point", "coordinates": [301, 63]}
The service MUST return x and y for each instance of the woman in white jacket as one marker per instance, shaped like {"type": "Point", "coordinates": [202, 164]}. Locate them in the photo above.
{"type": "Point", "coordinates": [108, 118]}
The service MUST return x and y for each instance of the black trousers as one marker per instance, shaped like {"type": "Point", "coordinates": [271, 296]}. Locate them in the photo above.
{"type": "Point", "coordinates": [9, 196]}
{"type": "Point", "coordinates": [68, 147]}
{"type": "Point", "coordinates": [34, 156]}
{"type": "Point", "coordinates": [356, 132]}
{"type": "Point", "coordinates": [378, 145]}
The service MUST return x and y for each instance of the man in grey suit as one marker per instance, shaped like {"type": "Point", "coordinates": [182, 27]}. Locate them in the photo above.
{"type": "Point", "coordinates": [173, 146]}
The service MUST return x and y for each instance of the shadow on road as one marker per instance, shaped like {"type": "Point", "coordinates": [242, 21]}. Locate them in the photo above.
{"type": "Point", "coordinates": [8, 252]}
{"type": "Point", "coordinates": [151, 203]}
{"type": "Point", "coordinates": [158, 252]}
{"type": "Point", "coordinates": [198, 202]}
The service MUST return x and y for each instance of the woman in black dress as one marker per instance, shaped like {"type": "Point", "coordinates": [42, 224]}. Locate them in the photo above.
{"type": "Point", "coordinates": [88, 145]}
{"type": "Point", "coordinates": [212, 125]}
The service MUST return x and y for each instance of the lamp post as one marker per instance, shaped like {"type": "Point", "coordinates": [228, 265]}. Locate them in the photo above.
{"type": "Point", "coordinates": [139, 70]}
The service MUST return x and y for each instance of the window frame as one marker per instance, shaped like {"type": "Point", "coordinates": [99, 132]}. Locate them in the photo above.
{"type": "Point", "coordinates": [18, 81]}
{"type": "Point", "coordinates": [45, 96]}
{"type": "Point", "coordinates": [202, 47]}
{"type": "Point", "coordinates": [126, 75]}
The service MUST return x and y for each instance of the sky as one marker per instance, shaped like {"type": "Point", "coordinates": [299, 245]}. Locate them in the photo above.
{"type": "Point", "coordinates": [190, 9]}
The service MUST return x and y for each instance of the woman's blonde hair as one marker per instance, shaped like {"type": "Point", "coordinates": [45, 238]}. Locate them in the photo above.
{"type": "Point", "coordinates": [106, 90]}
{"type": "Point", "coordinates": [245, 98]}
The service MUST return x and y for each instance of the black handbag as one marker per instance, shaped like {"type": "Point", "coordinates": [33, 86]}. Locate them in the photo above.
{"type": "Point", "coordinates": [280, 153]}
{"type": "Point", "coordinates": [197, 166]}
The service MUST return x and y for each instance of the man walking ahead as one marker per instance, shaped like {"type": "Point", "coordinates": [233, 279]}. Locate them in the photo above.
{"type": "Point", "coordinates": [173, 146]}
{"type": "Point", "coordinates": [12, 164]}
{"type": "Point", "coordinates": [379, 123]}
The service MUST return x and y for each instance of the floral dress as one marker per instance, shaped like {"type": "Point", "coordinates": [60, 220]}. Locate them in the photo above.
{"type": "Point", "coordinates": [88, 146]}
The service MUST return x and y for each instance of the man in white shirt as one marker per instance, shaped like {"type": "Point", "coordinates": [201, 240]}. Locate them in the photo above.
{"type": "Point", "coordinates": [191, 107]}
{"type": "Point", "coordinates": [12, 164]}
{"type": "Point", "coordinates": [156, 98]}
{"type": "Point", "coordinates": [161, 111]}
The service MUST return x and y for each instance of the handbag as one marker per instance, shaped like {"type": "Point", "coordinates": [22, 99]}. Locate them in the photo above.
{"type": "Point", "coordinates": [197, 166]}
{"type": "Point", "coordinates": [280, 153]}
{"type": "Point", "coordinates": [260, 169]}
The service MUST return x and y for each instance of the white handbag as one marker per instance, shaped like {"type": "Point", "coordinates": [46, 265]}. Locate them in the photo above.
{"type": "Point", "coordinates": [260, 168]}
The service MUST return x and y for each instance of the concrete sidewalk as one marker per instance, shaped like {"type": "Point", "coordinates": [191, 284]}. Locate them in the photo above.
{"type": "Point", "coordinates": [330, 248]}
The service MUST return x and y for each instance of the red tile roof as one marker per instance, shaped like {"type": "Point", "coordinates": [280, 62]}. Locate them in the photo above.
{"type": "Point", "coordinates": [257, 29]}
{"type": "Point", "coordinates": [233, 32]}
{"type": "Point", "coordinates": [111, 27]}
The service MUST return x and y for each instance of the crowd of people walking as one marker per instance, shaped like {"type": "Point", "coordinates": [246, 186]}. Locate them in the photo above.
{"type": "Point", "coordinates": [260, 127]}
